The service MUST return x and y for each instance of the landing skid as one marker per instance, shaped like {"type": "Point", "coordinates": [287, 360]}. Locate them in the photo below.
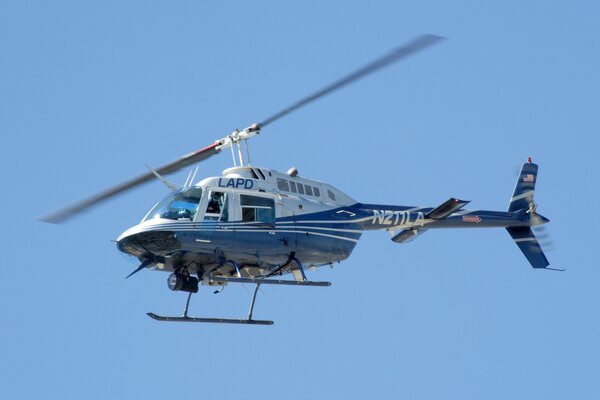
{"type": "Point", "coordinates": [262, 281]}
{"type": "Point", "coordinates": [186, 318]}
{"type": "Point", "coordinates": [210, 320]}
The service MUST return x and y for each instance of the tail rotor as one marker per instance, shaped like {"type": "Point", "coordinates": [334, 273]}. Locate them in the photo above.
{"type": "Point", "coordinates": [539, 228]}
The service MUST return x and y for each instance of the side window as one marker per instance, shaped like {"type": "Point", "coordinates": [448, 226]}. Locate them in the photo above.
{"type": "Point", "coordinates": [300, 188]}
{"type": "Point", "coordinates": [331, 194]}
{"type": "Point", "coordinates": [317, 191]}
{"type": "Point", "coordinates": [257, 209]}
{"type": "Point", "coordinates": [217, 208]}
{"type": "Point", "coordinates": [282, 184]}
{"type": "Point", "coordinates": [293, 186]}
{"type": "Point", "coordinates": [308, 190]}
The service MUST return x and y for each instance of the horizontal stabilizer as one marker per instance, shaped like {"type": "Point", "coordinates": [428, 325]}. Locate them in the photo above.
{"type": "Point", "coordinates": [446, 208]}
{"type": "Point", "coordinates": [525, 239]}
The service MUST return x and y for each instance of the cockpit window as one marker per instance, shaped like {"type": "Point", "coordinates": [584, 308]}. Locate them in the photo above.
{"type": "Point", "coordinates": [181, 205]}
{"type": "Point", "coordinates": [217, 208]}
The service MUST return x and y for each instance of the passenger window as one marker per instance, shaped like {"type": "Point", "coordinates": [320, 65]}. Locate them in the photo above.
{"type": "Point", "coordinates": [293, 186]}
{"type": "Point", "coordinates": [282, 184]}
{"type": "Point", "coordinates": [257, 209]}
{"type": "Point", "coordinates": [308, 190]}
{"type": "Point", "coordinates": [300, 188]}
{"type": "Point", "coordinates": [317, 191]}
{"type": "Point", "coordinates": [331, 194]}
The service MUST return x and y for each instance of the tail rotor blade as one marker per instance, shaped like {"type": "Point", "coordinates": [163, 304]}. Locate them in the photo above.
{"type": "Point", "coordinates": [544, 238]}
{"type": "Point", "coordinates": [541, 233]}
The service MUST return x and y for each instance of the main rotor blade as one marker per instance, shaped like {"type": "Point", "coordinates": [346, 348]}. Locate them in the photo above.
{"type": "Point", "coordinates": [408, 49]}
{"type": "Point", "coordinates": [63, 214]}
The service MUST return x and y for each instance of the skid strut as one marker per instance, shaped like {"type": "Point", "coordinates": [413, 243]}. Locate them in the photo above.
{"type": "Point", "coordinates": [253, 301]}
{"type": "Point", "coordinates": [186, 318]}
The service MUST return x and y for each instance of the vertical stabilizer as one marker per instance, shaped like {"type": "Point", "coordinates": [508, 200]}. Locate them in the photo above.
{"type": "Point", "coordinates": [525, 239]}
{"type": "Point", "coordinates": [522, 197]}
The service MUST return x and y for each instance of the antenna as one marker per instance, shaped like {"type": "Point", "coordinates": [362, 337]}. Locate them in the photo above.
{"type": "Point", "coordinates": [168, 184]}
{"type": "Point", "coordinates": [185, 184]}
{"type": "Point", "coordinates": [194, 175]}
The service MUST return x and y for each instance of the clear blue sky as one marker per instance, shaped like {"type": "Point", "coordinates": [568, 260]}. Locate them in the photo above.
{"type": "Point", "coordinates": [92, 91]}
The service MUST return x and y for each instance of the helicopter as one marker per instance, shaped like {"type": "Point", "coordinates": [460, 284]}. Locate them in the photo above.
{"type": "Point", "coordinates": [255, 225]}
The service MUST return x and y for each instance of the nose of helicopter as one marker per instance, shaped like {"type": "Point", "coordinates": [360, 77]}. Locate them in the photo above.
{"type": "Point", "coordinates": [141, 240]}
{"type": "Point", "coordinates": [127, 243]}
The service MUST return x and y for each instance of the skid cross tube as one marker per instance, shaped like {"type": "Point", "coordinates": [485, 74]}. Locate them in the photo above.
{"type": "Point", "coordinates": [300, 267]}
{"type": "Point", "coordinates": [283, 266]}
{"type": "Point", "coordinates": [237, 268]}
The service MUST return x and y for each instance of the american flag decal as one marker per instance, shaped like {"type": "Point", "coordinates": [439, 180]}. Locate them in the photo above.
{"type": "Point", "coordinates": [528, 178]}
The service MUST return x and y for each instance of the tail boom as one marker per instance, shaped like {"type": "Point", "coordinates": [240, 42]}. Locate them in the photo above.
{"type": "Point", "coordinates": [406, 223]}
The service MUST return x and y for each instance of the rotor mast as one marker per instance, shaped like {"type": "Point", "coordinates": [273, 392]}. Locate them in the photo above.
{"type": "Point", "coordinates": [234, 140]}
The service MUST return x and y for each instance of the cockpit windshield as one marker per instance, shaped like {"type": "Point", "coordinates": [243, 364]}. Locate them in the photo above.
{"type": "Point", "coordinates": [180, 205]}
